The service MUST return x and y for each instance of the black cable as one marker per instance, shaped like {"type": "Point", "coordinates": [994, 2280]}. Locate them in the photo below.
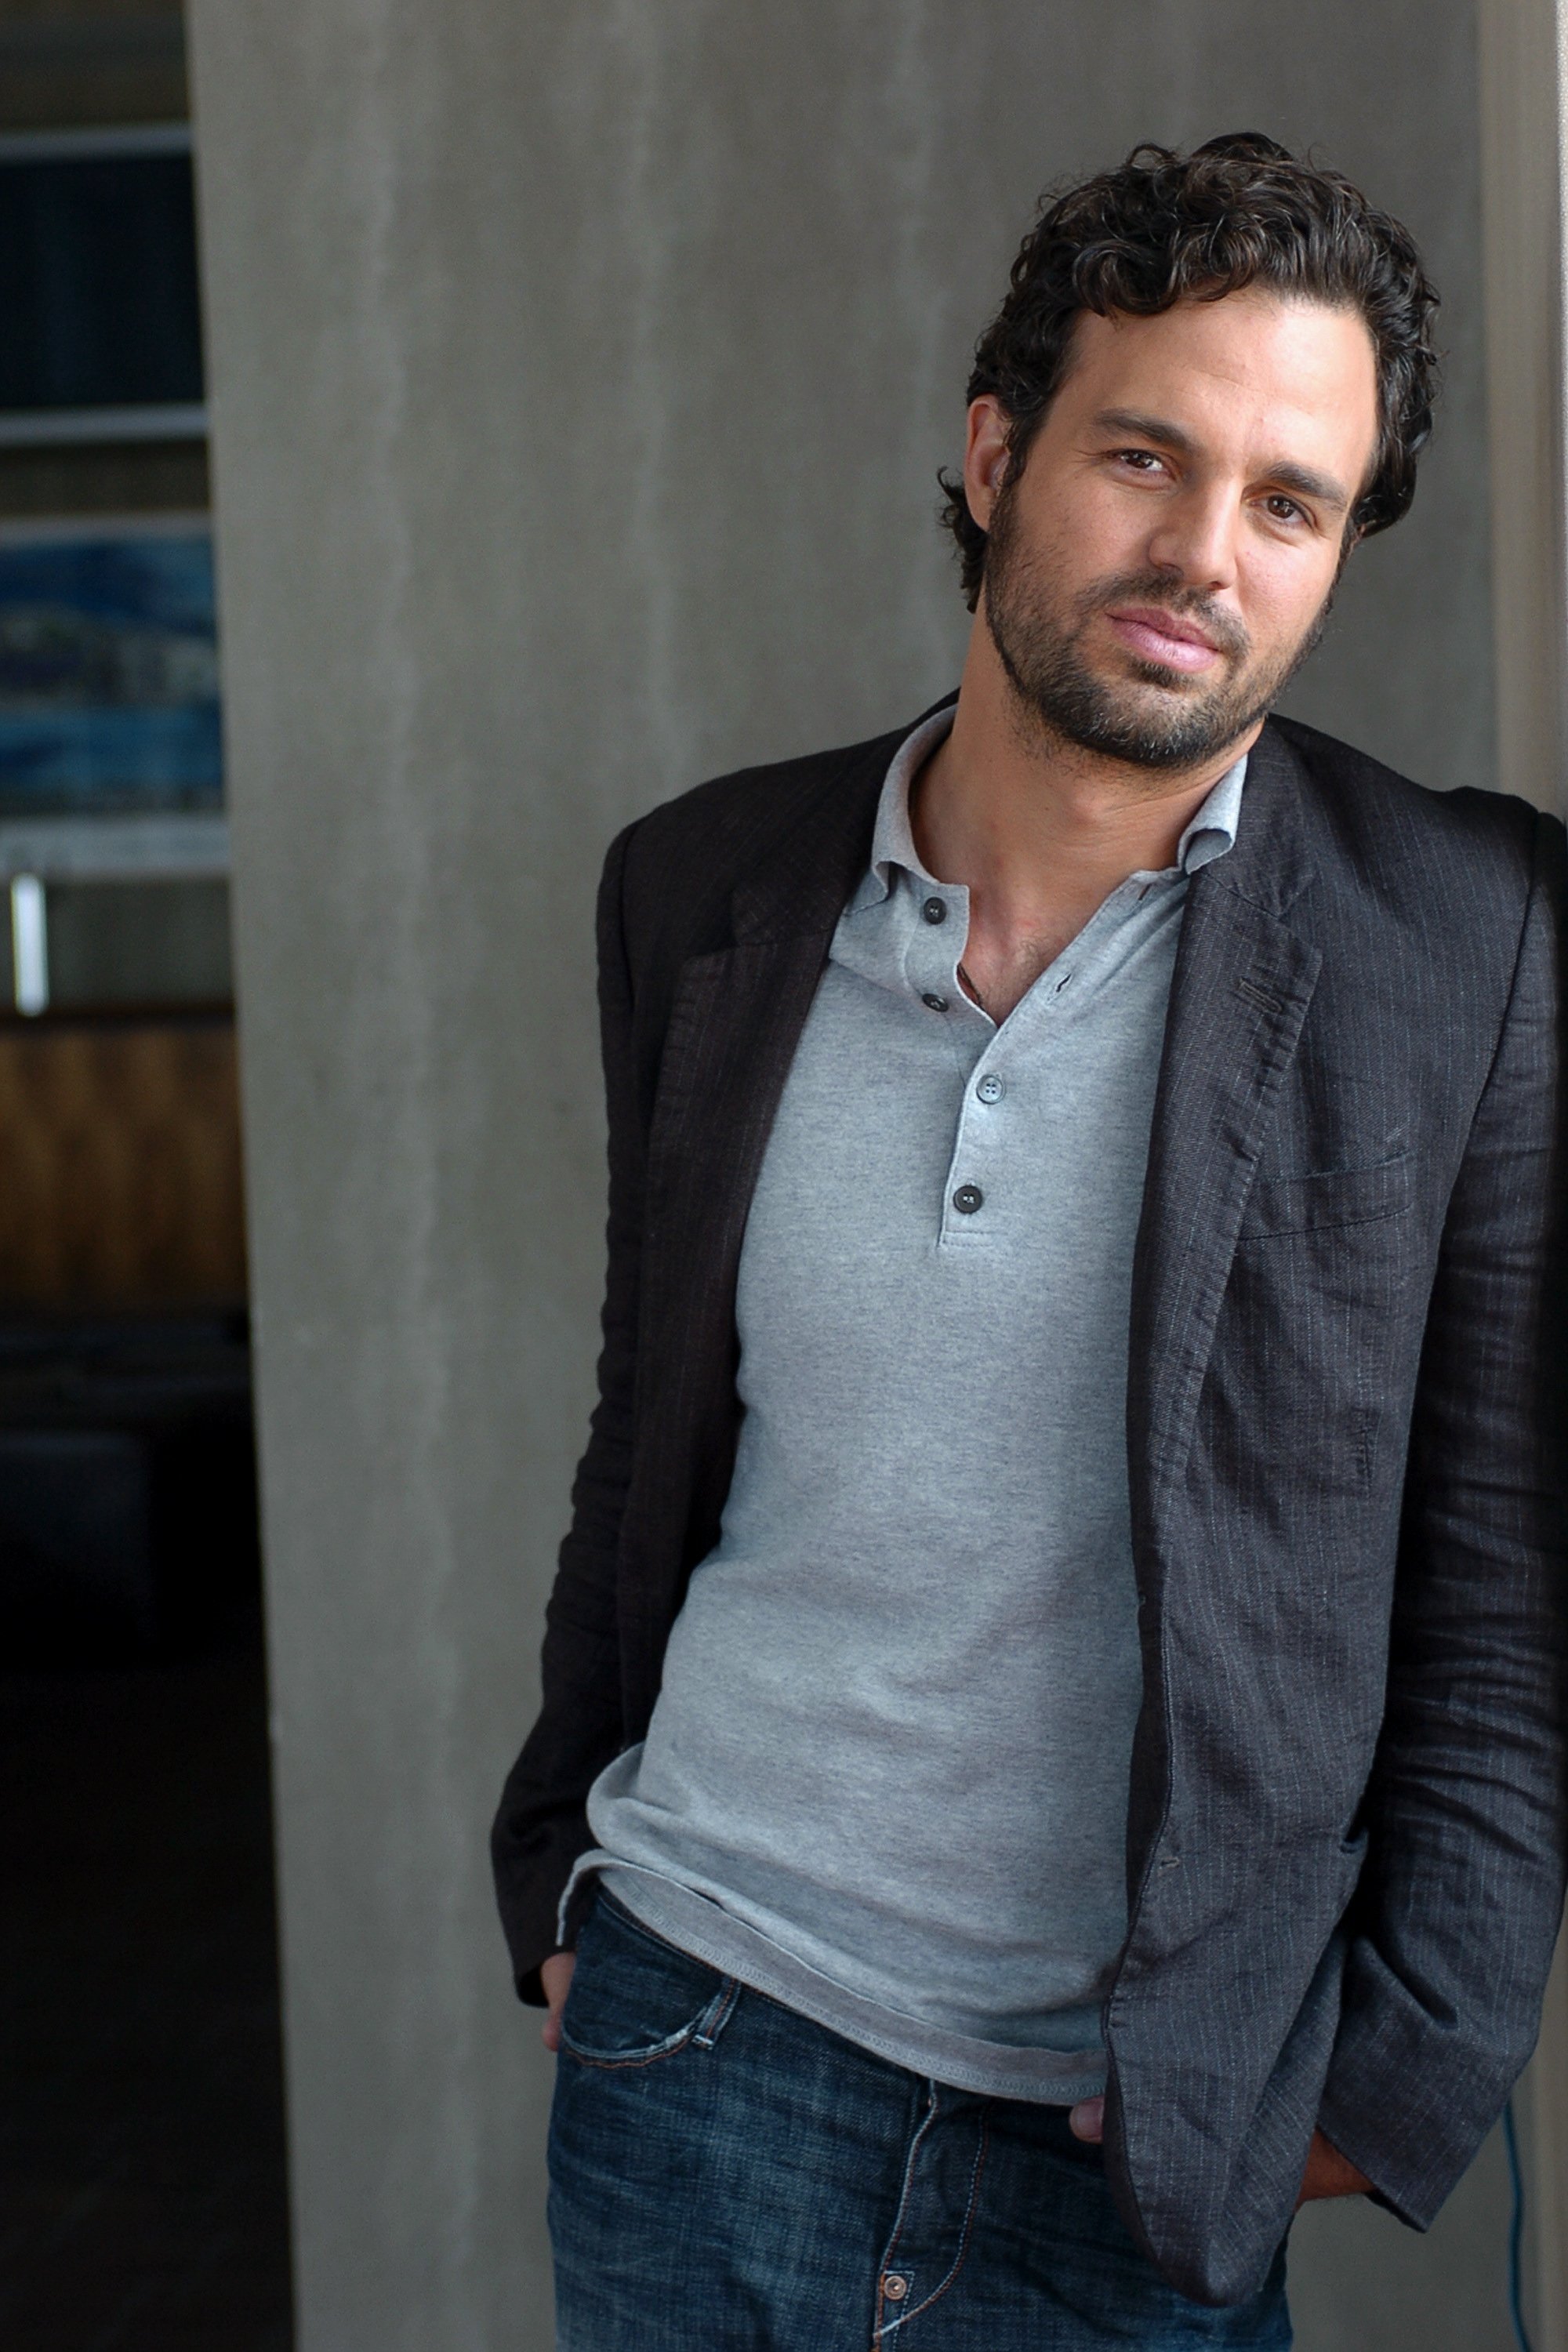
{"type": "Point", "coordinates": [1515, 2232]}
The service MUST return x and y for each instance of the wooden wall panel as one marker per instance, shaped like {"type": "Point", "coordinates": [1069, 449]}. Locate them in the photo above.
{"type": "Point", "coordinates": [120, 1165]}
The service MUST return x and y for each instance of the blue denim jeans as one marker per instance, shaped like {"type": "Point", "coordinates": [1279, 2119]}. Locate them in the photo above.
{"type": "Point", "coordinates": [728, 2177]}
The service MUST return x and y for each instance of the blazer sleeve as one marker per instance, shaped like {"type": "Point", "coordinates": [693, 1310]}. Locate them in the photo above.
{"type": "Point", "coordinates": [541, 1825]}
{"type": "Point", "coordinates": [1454, 1922]}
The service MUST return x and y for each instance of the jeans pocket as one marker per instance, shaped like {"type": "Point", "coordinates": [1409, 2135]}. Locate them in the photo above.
{"type": "Point", "coordinates": [635, 1999]}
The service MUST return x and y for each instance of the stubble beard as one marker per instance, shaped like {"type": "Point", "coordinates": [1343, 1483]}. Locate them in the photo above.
{"type": "Point", "coordinates": [1151, 717]}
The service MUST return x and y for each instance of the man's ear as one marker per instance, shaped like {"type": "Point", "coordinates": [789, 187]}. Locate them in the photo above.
{"type": "Point", "coordinates": [987, 456]}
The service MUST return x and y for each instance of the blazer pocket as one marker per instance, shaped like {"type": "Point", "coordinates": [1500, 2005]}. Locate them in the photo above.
{"type": "Point", "coordinates": [1328, 1198]}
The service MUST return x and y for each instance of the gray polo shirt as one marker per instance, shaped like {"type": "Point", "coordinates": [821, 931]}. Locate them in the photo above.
{"type": "Point", "coordinates": [886, 1779]}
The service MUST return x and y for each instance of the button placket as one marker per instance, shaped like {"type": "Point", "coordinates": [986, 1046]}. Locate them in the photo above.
{"type": "Point", "coordinates": [934, 923]}
{"type": "Point", "coordinates": [977, 1168]}
{"type": "Point", "coordinates": [969, 1172]}
{"type": "Point", "coordinates": [930, 968]}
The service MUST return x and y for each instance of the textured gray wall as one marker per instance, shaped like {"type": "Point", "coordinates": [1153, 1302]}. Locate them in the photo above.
{"type": "Point", "coordinates": [580, 376]}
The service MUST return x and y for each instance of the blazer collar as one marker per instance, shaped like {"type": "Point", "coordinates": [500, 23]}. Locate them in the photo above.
{"type": "Point", "coordinates": [1269, 864]}
{"type": "Point", "coordinates": [817, 856]}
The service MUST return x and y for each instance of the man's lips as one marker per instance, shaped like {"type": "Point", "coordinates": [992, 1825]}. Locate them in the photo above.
{"type": "Point", "coordinates": [1160, 636]}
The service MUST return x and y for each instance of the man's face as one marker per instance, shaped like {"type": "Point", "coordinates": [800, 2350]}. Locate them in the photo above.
{"type": "Point", "coordinates": [1166, 557]}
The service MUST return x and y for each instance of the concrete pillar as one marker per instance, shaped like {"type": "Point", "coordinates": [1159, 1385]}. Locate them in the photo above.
{"type": "Point", "coordinates": [579, 374]}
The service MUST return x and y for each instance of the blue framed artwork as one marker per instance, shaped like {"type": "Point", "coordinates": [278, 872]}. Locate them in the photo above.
{"type": "Point", "coordinates": [109, 684]}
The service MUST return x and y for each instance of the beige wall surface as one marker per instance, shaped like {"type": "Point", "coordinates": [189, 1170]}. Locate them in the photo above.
{"type": "Point", "coordinates": [579, 374]}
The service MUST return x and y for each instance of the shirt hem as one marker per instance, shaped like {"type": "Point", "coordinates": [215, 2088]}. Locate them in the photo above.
{"type": "Point", "coordinates": [698, 1926]}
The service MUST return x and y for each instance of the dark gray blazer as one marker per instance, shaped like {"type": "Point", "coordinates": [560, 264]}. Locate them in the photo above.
{"type": "Point", "coordinates": [1344, 1442]}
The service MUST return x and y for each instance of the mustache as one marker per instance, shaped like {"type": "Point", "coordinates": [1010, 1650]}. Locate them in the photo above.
{"type": "Point", "coordinates": [1222, 629]}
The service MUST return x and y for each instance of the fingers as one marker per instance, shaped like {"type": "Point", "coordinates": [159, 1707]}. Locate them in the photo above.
{"type": "Point", "coordinates": [555, 1975]}
{"type": "Point", "coordinates": [1087, 2120]}
{"type": "Point", "coordinates": [1329, 2174]}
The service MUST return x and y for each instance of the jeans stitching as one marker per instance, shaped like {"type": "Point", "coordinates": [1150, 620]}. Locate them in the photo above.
{"type": "Point", "coordinates": [608, 2064]}
{"type": "Point", "coordinates": [965, 2234]}
{"type": "Point", "coordinates": [702, 2032]}
{"type": "Point", "coordinates": [716, 2016]}
{"type": "Point", "coordinates": [879, 2332]}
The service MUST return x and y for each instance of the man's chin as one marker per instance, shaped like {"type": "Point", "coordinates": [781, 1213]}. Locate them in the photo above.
{"type": "Point", "coordinates": [1160, 737]}
{"type": "Point", "coordinates": [1152, 729]}
{"type": "Point", "coordinates": [1184, 684]}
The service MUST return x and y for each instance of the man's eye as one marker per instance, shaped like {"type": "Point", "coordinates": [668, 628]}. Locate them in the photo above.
{"type": "Point", "coordinates": [1284, 509]}
{"type": "Point", "coordinates": [1143, 460]}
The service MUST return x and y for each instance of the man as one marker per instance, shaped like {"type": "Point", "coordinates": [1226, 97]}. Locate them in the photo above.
{"type": "Point", "coordinates": [1051, 1749]}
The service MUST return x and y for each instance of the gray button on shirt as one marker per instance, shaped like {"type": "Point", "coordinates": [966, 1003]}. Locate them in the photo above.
{"type": "Point", "coordinates": [886, 1779]}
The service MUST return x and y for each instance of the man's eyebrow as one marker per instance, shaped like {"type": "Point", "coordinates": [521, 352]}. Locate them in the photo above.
{"type": "Point", "coordinates": [1140, 426]}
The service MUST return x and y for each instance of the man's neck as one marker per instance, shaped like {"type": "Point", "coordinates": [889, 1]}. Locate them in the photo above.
{"type": "Point", "coordinates": [1038, 832]}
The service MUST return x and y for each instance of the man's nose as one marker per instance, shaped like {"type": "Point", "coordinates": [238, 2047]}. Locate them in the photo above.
{"type": "Point", "coordinates": [1195, 541]}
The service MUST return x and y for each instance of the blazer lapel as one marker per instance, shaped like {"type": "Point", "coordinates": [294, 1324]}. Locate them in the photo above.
{"type": "Point", "coordinates": [736, 1019]}
{"type": "Point", "coordinates": [1243, 981]}
{"type": "Point", "coordinates": [734, 1022]}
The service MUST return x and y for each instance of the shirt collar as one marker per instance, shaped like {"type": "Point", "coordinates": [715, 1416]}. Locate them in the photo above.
{"type": "Point", "coordinates": [1210, 833]}
{"type": "Point", "coordinates": [1213, 828]}
{"type": "Point", "coordinates": [893, 842]}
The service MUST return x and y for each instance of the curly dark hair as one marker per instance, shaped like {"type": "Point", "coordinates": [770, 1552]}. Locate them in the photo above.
{"type": "Point", "coordinates": [1239, 211]}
